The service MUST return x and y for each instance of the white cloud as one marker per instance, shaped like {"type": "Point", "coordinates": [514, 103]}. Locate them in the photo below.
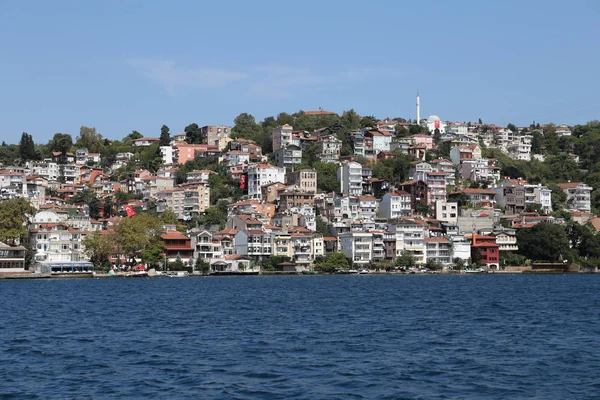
{"type": "Point", "coordinates": [172, 76]}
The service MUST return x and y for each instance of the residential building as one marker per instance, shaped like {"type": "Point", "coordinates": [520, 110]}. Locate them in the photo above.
{"type": "Point", "coordinates": [329, 148]}
{"type": "Point", "coordinates": [283, 136]}
{"type": "Point", "coordinates": [578, 195]}
{"type": "Point", "coordinates": [439, 250]}
{"type": "Point", "coordinates": [184, 200]}
{"type": "Point", "coordinates": [253, 243]}
{"type": "Point", "coordinates": [358, 247]}
{"type": "Point", "coordinates": [395, 204]}
{"type": "Point", "coordinates": [288, 157]}
{"type": "Point", "coordinates": [145, 141]}
{"type": "Point", "coordinates": [436, 185]}
{"type": "Point", "coordinates": [485, 251]}
{"type": "Point", "coordinates": [422, 139]}
{"type": "Point", "coordinates": [305, 180]}
{"type": "Point", "coordinates": [368, 207]}
{"type": "Point", "coordinates": [12, 258]}
{"type": "Point", "coordinates": [177, 246]}
{"type": "Point", "coordinates": [446, 212]}
{"type": "Point", "coordinates": [479, 197]}
{"type": "Point", "coordinates": [417, 190]}
{"type": "Point", "coordinates": [216, 135]}
{"type": "Point", "coordinates": [260, 175]}
{"type": "Point", "coordinates": [183, 152]}
{"type": "Point", "coordinates": [350, 177]}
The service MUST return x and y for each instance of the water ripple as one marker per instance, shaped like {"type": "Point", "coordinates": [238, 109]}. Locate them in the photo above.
{"type": "Point", "coordinates": [305, 337]}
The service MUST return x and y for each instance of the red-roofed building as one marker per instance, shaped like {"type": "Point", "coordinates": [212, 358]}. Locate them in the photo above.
{"type": "Point", "coordinates": [177, 245]}
{"type": "Point", "coordinates": [485, 250]}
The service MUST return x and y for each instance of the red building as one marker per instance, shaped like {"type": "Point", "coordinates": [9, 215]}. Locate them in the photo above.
{"type": "Point", "coordinates": [418, 192]}
{"type": "Point", "coordinates": [177, 244]}
{"type": "Point", "coordinates": [485, 249]}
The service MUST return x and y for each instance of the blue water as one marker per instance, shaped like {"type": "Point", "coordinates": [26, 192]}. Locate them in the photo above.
{"type": "Point", "coordinates": [308, 337]}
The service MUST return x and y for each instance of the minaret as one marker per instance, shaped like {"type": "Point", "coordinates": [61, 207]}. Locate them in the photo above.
{"type": "Point", "coordinates": [418, 109]}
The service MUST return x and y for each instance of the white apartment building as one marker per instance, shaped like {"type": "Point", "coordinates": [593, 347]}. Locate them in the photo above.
{"type": "Point", "coordinates": [263, 174]}
{"type": "Point", "coordinates": [446, 211]}
{"type": "Point", "coordinates": [439, 249]}
{"type": "Point", "coordinates": [350, 177]}
{"type": "Point", "coordinates": [283, 136]}
{"type": "Point", "coordinates": [579, 195]}
{"type": "Point", "coordinates": [395, 205]}
{"type": "Point", "coordinates": [520, 149]}
{"type": "Point", "coordinates": [357, 246]}
{"type": "Point", "coordinates": [44, 169]}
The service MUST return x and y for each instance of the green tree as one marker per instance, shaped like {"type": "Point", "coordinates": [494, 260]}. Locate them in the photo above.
{"type": "Point", "coordinates": [545, 241]}
{"type": "Point", "coordinates": [333, 262]}
{"type": "Point", "coordinates": [310, 154]}
{"type": "Point", "coordinates": [536, 142]}
{"type": "Point", "coordinates": [368, 121]}
{"type": "Point", "coordinates": [61, 142]}
{"type": "Point", "coordinates": [202, 265]}
{"type": "Point", "coordinates": [90, 139]}
{"type": "Point", "coordinates": [14, 215]}
{"type": "Point", "coordinates": [165, 136]}
{"type": "Point", "coordinates": [511, 127]}
{"type": "Point", "coordinates": [193, 134]}
{"type": "Point", "coordinates": [459, 264]}
{"type": "Point", "coordinates": [406, 260]}
{"type": "Point", "coordinates": [400, 131]}
{"type": "Point", "coordinates": [327, 177]}
{"type": "Point", "coordinates": [27, 148]}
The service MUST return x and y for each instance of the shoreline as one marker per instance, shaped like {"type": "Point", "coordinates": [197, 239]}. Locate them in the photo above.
{"type": "Point", "coordinates": [21, 275]}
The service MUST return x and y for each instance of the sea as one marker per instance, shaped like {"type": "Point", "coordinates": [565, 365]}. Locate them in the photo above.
{"type": "Point", "coordinates": [302, 337]}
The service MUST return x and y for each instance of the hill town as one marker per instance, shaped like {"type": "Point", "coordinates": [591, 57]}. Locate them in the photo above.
{"type": "Point", "coordinates": [305, 192]}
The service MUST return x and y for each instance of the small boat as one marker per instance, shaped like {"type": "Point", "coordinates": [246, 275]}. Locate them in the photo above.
{"type": "Point", "coordinates": [363, 272]}
{"type": "Point", "coordinates": [180, 274]}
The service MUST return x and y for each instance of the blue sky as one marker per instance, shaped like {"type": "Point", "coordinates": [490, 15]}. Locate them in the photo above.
{"type": "Point", "coordinates": [124, 65]}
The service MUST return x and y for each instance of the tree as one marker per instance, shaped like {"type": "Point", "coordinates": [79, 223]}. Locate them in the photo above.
{"type": "Point", "coordinates": [61, 142]}
{"type": "Point", "coordinates": [545, 241]}
{"type": "Point", "coordinates": [322, 226]}
{"type": "Point", "coordinates": [99, 246]}
{"type": "Point", "coordinates": [400, 131]}
{"type": "Point", "coordinates": [479, 121]}
{"type": "Point", "coordinates": [135, 235]}
{"type": "Point", "coordinates": [437, 136]}
{"type": "Point", "coordinates": [202, 265]}
{"type": "Point", "coordinates": [333, 262]}
{"type": "Point", "coordinates": [310, 154]}
{"type": "Point", "coordinates": [511, 127]}
{"type": "Point", "coordinates": [406, 260]}
{"type": "Point", "coordinates": [536, 142]}
{"type": "Point", "coordinates": [14, 215]}
{"type": "Point", "coordinates": [165, 136]}
{"type": "Point", "coordinates": [368, 122]}
{"type": "Point", "coordinates": [327, 177]}
{"type": "Point", "coordinates": [90, 139]}
{"type": "Point", "coordinates": [193, 134]}
{"type": "Point", "coordinates": [459, 264]}
{"type": "Point", "coordinates": [27, 148]}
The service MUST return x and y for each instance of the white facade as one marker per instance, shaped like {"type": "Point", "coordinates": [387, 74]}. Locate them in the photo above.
{"type": "Point", "coordinates": [357, 246]}
{"type": "Point", "coordinates": [446, 211]}
{"type": "Point", "coordinates": [167, 154]}
{"type": "Point", "coordinates": [434, 122]}
{"type": "Point", "coordinates": [260, 175]}
{"type": "Point", "coordinates": [395, 204]}
{"type": "Point", "coordinates": [350, 178]}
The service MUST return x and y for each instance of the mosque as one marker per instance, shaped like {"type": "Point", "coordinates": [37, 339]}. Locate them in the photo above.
{"type": "Point", "coordinates": [432, 122]}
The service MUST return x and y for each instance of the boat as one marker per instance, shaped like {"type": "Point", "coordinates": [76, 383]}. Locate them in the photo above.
{"type": "Point", "coordinates": [180, 274]}
{"type": "Point", "coordinates": [363, 272]}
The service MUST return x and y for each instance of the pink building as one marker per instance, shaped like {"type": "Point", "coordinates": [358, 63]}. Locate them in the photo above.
{"type": "Point", "coordinates": [186, 152]}
{"type": "Point", "coordinates": [423, 139]}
